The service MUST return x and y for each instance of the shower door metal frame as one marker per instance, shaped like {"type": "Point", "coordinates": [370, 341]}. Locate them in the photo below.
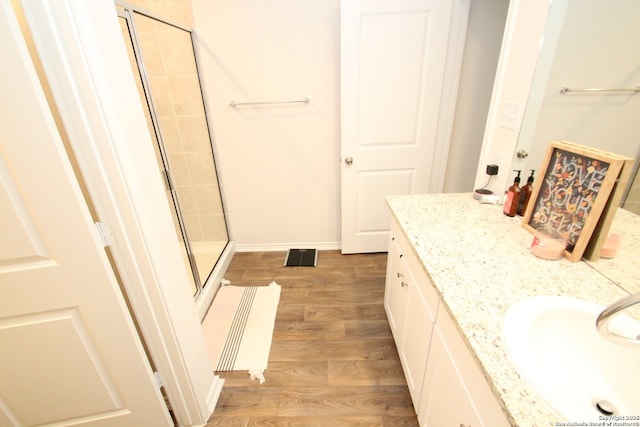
{"type": "Point", "coordinates": [126, 11]}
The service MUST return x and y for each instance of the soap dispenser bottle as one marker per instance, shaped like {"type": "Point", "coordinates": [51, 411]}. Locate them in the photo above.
{"type": "Point", "coordinates": [525, 195]}
{"type": "Point", "coordinates": [513, 195]}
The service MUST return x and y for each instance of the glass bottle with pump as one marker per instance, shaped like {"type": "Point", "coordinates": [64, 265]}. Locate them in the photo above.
{"type": "Point", "coordinates": [525, 195]}
{"type": "Point", "coordinates": [513, 195]}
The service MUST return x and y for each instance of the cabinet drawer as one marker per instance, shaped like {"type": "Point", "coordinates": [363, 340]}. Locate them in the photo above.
{"type": "Point", "coordinates": [420, 277]}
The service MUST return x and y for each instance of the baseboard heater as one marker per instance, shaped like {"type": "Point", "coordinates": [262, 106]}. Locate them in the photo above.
{"type": "Point", "coordinates": [301, 258]}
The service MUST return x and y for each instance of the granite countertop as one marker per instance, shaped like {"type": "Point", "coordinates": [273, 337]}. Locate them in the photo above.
{"type": "Point", "coordinates": [479, 261]}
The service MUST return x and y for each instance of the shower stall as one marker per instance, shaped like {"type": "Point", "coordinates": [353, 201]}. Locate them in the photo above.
{"type": "Point", "coordinates": [164, 64]}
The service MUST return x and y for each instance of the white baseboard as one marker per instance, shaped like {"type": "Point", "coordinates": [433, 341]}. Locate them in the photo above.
{"type": "Point", "coordinates": [283, 247]}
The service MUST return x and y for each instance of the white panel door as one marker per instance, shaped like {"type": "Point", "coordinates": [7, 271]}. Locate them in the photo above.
{"type": "Point", "coordinates": [69, 353]}
{"type": "Point", "coordinates": [395, 98]}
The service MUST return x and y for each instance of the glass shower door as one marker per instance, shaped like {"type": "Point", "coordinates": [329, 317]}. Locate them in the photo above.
{"type": "Point", "coordinates": [163, 61]}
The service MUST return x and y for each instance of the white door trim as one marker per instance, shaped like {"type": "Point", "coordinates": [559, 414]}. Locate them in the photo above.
{"type": "Point", "coordinates": [85, 61]}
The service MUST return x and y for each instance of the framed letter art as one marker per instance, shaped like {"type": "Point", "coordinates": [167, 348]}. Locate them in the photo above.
{"type": "Point", "coordinates": [574, 190]}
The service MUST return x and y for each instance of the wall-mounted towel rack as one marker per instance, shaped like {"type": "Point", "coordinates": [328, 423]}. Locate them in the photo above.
{"type": "Point", "coordinates": [565, 89]}
{"type": "Point", "coordinates": [235, 104]}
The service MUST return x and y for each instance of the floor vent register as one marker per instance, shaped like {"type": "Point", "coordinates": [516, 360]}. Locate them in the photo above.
{"type": "Point", "coordinates": [301, 258]}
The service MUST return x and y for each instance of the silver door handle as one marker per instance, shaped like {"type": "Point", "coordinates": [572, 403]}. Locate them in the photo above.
{"type": "Point", "coordinates": [348, 160]}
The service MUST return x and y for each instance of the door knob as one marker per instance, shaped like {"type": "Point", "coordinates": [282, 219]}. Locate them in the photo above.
{"type": "Point", "coordinates": [522, 154]}
{"type": "Point", "coordinates": [348, 160]}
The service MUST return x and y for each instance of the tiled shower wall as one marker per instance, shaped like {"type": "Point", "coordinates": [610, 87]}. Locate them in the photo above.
{"type": "Point", "coordinates": [170, 67]}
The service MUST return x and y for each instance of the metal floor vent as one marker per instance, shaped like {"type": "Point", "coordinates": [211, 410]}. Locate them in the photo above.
{"type": "Point", "coordinates": [301, 258]}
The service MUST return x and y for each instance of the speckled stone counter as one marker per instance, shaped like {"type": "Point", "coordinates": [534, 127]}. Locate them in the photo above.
{"type": "Point", "coordinates": [479, 261]}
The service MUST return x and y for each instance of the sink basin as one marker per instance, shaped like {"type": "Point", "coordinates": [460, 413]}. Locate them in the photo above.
{"type": "Point", "coordinates": [554, 345]}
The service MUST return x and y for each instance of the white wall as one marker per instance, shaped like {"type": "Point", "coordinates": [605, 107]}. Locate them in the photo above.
{"type": "Point", "coordinates": [279, 166]}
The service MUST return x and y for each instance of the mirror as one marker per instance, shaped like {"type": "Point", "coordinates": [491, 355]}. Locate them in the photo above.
{"type": "Point", "coordinates": [588, 44]}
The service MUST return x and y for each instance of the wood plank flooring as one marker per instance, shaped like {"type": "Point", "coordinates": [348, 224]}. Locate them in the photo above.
{"type": "Point", "coordinates": [333, 361]}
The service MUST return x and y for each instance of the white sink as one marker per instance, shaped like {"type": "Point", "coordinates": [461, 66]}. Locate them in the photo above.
{"type": "Point", "coordinates": [554, 345]}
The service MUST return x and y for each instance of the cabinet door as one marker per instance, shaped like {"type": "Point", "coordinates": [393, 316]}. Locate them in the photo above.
{"type": "Point", "coordinates": [445, 400]}
{"type": "Point", "coordinates": [396, 293]}
{"type": "Point", "coordinates": [416, 339]}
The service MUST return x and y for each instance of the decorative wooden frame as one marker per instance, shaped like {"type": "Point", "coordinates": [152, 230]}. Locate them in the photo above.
{"type": "Point", "coordinates": [574, 189]}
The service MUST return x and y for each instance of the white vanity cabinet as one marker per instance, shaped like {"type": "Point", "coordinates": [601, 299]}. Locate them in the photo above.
{"type": "Point", "coordinates": [446, 385]}
{"type": "Point", "coordinates": [454, 392]}
{"type": "Point", "coordinates": [410, 303]}
{"type": "Point", "coordinates": [445, 400]}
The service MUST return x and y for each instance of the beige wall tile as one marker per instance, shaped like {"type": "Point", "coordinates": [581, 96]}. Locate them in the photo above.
{"type": "Point", "coordinates": [194, 228]}
{"type": "Point", "coordinates": [187, 200]}
{"type": "Point", "coordinates": [161, 95]}
{"type": "Point", "coordinates": [187, 98]}
{"type": "Point", "coordinates": [207, 200]}
{"type": "Point", "coordinates": [151, 54]}
{"type": "Point", "coordinates": [194, 133]}
{"type": "Point", "coordinates": [214, 228]}
{"type": "Point", "coordinates": [177, 52]}
{"type": "Point", "coordinates": [200, 168]}
{"type": "Point", "coordinates": [170, 134]}
{"type": "Point", "coordinates": [175, 10]}
{"type": "Point", "coordinates": [179, 169]}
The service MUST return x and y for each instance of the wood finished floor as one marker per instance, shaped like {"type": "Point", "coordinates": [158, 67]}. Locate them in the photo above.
{"type": "Point", "coordinates": [333, 361]}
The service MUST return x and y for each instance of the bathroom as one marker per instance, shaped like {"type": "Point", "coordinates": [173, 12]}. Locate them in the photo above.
{"type": "Point", "coordinates": [304, 141]}
{"type": "Point", "coordinates": [264, 221]}
{"type": "Point", "coordinates": [296, 49]}
{"type": "Point", "coordinates": [279, 143]}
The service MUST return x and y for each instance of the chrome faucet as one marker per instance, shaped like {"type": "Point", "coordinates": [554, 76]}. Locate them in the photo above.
{"type": "Point", "coordinates": [602, 322]}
